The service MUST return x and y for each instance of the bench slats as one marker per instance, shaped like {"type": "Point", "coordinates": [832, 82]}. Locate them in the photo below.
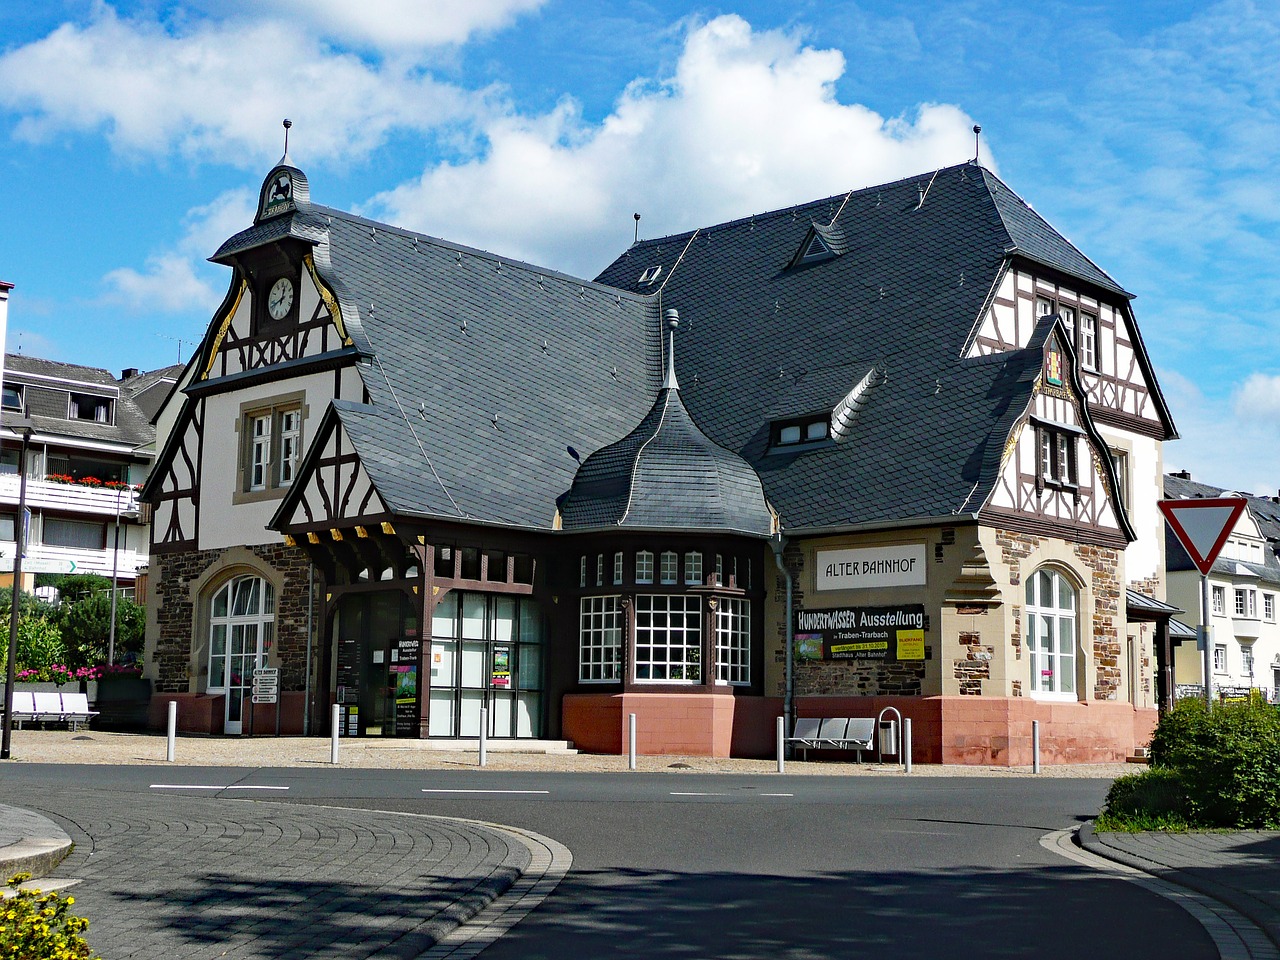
{"type": "Point", "coordinates": [834, 733]}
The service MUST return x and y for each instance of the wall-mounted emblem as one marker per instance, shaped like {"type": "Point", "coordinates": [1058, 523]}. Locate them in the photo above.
{"type": "Point", "coordinates": [277, 195]}
{"type": "Point", "coordinates": [1053, 365]}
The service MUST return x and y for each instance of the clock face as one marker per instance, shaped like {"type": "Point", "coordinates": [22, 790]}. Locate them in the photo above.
{"type": "Point", "coordinates": [280, 299]}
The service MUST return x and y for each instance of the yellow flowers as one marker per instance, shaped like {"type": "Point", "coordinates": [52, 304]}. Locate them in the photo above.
{"type": "Point", "coordinates": [37, 926]}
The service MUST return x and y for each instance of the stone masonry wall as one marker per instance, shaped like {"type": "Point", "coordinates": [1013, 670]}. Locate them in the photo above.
{"type": "Point", "coordinates": [1103, 564]}
{"type": "Point", "coordinates": [175, 574]}
{"type": "Point", "coordinates": [847, 678]}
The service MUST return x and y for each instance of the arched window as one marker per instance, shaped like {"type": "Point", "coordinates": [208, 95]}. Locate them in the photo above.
{"type": "Point", "coordinates": [1051, 634]}
{"type": "Point", "coordinates": [242, 625]}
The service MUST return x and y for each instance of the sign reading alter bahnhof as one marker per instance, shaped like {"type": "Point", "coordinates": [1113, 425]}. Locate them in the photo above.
{"type": "Point", "coordinates": [859, 568]}
{"type": "Point", "coordinates": [861, 633]}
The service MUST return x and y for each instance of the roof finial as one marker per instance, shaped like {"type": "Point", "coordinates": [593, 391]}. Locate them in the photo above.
{"type": "Point", "coordinates": [637, 219]}
{"type": "Point", "coordinates": [672, 320]}
{"type": "Point", "coordinates": [284, 160]}
{"type": "Point", "coordinates": [977, 142]}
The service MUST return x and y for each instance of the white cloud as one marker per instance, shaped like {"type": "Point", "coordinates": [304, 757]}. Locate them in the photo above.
{"type": "Point", "coordinates": [403, 24]}
{"type": "Point", "coordinates": [178, 280]}
{"type": "Point", "coordinates": [215, 90]}
{"type": "Point", "coordinates": [1231, 443]}
{"type": "Point", "coordinates": [749, 121]}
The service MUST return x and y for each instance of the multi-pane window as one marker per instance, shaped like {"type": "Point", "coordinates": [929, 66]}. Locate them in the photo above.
{"type": "Point", "coordinates": [600, 570]}
{"type": "Point", "coordinates": [719, 570]}
{"type": "Point", "coordinates": [241, 632]}
{"type": "Point", "coordinates": [582, 572]}
{"type": "Point", "coordinates": [617, 568]}
{"type": "Point", "coordinates": [1220, 658]}
{"type": "Point", "coordinates": [668, 638]}
{"type": "Point", "coordinates": [600, 639]}
{"type": "Point", "coordinates": [1068, 317]}
{"type": "Point", "coordinates": [290, 436]}
{"type": "Point", "coordinates": [801, 431]}
{"type": "Point", "coordinates": [1246, 603]}
{"type": "Point", "coordinates": [1219, 600]}
{"type": "Point", "coordinates": [1246, 660]}
{"type": "Point", "coordinates": [733, 641]}
{"type": "Point", "coordinates": [272, 447]}
{"type": "Point", "coordinates": [644, 566]}
{"type": "Point", "coordinates": [1269, 607]}
{"type": "Point", "coordinates": [1089, 341]}
{"type": "Point", "coordinates": [1057, 457]}
{"type": "Point", "coordinates": [693, 568]}
{"type": "Point", "coordinates": [260, 452]}
{"type": "Point", "coordinates": [670, 572]}
{"type": "Point", "coordinates": [1051, 633]}
{"type": "Point", "coordinates": [1120, 462]}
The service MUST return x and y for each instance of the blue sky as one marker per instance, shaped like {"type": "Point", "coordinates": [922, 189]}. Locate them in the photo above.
{"type": "Point", "coordinates": [135, 136]}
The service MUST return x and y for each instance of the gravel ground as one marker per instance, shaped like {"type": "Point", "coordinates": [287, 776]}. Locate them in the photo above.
{"type": "Point", "coordinates": [61, 746]}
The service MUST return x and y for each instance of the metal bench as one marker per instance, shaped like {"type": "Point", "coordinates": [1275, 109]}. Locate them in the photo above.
{"type": "Point", "coordinates": [24, 707]}
{"type": "Point", "coordinates": [75, 709]}
{"type": "Point", "coordinates": [834, 733]}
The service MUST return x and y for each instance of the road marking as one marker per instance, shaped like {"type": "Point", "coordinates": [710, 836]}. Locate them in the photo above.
{"type": "Point", "coordinates": [202, 786]}
{"type": "Point", "coordinates": [674, 794]}
{"type": "Point", "coordinates": [427, 790]}
{"type": "Point", "coordinates": [777, 794]}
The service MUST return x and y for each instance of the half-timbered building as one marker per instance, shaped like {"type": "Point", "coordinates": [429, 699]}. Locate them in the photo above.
{"type": "Point", "coordinates": [429, 484]}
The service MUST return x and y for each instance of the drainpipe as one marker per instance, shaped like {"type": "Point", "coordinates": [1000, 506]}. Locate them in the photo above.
{"type": "Point", "coordinates": [788, 697]}
{"type": "Point", "coordinates": [306, 687]}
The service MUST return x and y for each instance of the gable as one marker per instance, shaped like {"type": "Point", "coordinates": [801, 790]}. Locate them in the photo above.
{"type": "Point", "coordinates": [242, 336]}
{"type": "Point", "coordinates": [333, 488]}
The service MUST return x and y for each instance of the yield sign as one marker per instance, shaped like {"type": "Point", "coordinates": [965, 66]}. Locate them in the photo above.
{"type": "Point", "coordinates": [1202, 525]}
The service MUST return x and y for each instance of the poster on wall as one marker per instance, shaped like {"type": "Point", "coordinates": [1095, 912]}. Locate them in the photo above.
{"type": "Point", "coordinates": [862, 568]}
{"type": "Point", "coordinates": [893, 634]}
{"type": "Point", "coordinates": [404, 676]}
{"type": "Point", "coordinates": [501, 665]}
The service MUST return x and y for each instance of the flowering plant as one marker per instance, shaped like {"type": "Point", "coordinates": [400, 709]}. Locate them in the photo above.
{"type": "Point", "coordinates": [89, 482]}
{"type": "Point", "coordinates": [109, 670]}
{"type": "Point", "coordinates": [37, 924]}
{"type": "Point", "coordinates": [60, 478]}
{"type": "Point", "coordinates": [59, 674]}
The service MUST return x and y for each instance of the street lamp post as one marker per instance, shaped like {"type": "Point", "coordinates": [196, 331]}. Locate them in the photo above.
{"type": "Point", "coordinates": [19, 544]}
{"type": "Point", "coordinates": [115, 574]}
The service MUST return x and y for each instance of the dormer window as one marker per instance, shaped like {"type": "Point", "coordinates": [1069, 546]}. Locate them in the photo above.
{"type": "Point", "coordinates": [12, 398]}
{"type": "Point", "coordinates": [792, 433]}
{"type": "Point", "coordinates": [1057, 466]}
{"type": "Point", "coordinates": [650, 275]}
{"type": "Point", "coordinates": [85, 406]}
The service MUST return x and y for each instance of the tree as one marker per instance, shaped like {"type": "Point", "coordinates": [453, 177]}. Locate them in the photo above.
{"type": "Point", "coordinates": [86, 628]}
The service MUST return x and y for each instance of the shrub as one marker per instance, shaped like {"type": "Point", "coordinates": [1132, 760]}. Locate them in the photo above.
{"type": "Point", "coordinates": [39, 643]}
{"type": "Point", "coordinates": [1154, 799]}
{"type": "Point", "coordinates": [1227, 759]}
{"type": "Point", "coordinates": [37, 925]}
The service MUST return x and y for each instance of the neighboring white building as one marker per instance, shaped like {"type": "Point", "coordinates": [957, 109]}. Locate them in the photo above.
{"type": "Point", "coordinates": [1244, 591]}
{"type": "Point", "coordinates": [91, 447]}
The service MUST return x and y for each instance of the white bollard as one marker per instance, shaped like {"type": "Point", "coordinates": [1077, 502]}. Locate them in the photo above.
{"type": "Point", "coordinates": [169, 749]}
{"type": "Point", "coordinates": [781, 744]}
{"type": "Point", "coordinates": [333, 733]}
{"type": "Point", "coordinates": [631, 741]}
{"type": "Point", "coordinates": [484, 736]}
{"type": "Point", "coordinates": [1035, 746]}
{"type": "Point", "coordinates": [906, 744]}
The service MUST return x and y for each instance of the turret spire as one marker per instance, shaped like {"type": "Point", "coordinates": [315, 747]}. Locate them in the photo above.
{"type": "Point", "coordinates": [671, 321]}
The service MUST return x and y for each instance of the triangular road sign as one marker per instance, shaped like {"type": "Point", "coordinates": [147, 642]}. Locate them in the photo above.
{"type": "Point", "coordinates": [1202, 525]}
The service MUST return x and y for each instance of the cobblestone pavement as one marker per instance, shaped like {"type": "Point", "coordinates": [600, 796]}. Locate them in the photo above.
{"type": "Point", "coordinates": [216, 878]}
{"type": "Point", "coordinates": [1239, 868]}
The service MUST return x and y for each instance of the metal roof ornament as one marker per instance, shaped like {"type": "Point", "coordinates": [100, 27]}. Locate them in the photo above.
{"type": "Point", "coordinates": [671, 320]}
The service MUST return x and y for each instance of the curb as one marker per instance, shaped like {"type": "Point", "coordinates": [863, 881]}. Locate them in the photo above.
{"type": "Point", "coordinates": [30, 843]}
{"type": "Point", "coordinates": [1257, 912]}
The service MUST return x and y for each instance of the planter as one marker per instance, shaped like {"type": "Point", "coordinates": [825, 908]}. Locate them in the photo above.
{"type": "Point", "coordinates": [123, 703]}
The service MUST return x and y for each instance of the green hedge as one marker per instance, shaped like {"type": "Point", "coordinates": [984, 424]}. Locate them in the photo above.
{"type": "Point", "coordinates": [1216, 767]}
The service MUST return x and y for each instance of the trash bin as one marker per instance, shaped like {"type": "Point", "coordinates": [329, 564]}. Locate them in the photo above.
{"type": "Point", "coordinates": [889, 737]}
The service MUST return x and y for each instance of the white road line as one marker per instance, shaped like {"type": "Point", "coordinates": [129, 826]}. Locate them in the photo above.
{"type": "Point", "coordinates": [777, 794]}
{"type": "Point", "coordinates": [427, 790]}
{"type": "Point", "coordinates": [674, 794]}
{"type": "Point", "coordinates": [202, 786]}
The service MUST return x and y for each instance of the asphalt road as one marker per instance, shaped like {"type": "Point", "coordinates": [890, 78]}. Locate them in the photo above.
{"type": "Point", "coordinates": [691, 865]}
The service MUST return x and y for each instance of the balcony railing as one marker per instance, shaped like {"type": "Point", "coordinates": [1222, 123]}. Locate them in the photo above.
{"type": "Point", "coordinates": [72, 498]}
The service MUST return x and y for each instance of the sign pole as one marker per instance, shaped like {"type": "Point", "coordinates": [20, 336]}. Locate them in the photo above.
{"type": "Point", "coordinates": [1205, 639]}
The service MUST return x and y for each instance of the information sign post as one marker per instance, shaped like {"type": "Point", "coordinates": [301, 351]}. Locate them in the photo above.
{"type": "Point", "coordinates": [1202, 526]}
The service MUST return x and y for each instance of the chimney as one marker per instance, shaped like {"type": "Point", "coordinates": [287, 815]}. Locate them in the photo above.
{"type": "Point", "coordinates": [1181, 474]}
{"type": "Point", "coordinates": [128, 372]}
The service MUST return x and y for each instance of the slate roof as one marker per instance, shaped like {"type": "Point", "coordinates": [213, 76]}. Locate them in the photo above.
{"type": "Point", "coordinates": [483, 371]}
{"type": "Point", "coordinates": [132, 427]}
{"type": "Point", "coordinates": [666, 474]}
{"type": "Point", "coordinates": [151, 388]}
{"type": "Point", "coordinates": [1265, 512]}
{"type": "Point", "coordinates": [762, 339]}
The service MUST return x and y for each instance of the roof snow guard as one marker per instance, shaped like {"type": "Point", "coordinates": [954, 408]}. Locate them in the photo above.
{"type": "Point", "coordinates": [667, 475]}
